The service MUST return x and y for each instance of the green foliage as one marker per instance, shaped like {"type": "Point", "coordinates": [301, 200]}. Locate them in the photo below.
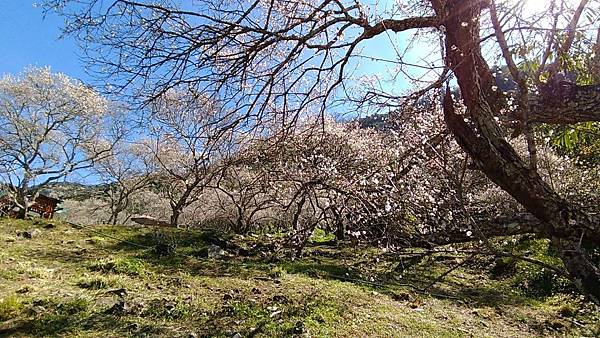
{"type": "Point", "coordinates": [277, 272]}
{"type": "Point", "coordinates": [321, 236]}
{"type": "Point", "coordinates": [580, 141]}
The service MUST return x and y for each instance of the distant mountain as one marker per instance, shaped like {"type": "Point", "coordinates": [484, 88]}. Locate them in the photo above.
{"type": "Point", "coordinates": [376, 121]}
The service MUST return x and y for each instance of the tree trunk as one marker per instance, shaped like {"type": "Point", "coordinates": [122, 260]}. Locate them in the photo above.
{"type": "Point", "coordinates": [340, 230]}
{"type": "Point", "coordinates": [578, 262]}
{"type": "Point", "coordinates": [176, 212]}
{"type": "Point", "coordinates": [113, 217]}
{"type": "Point", "coordinates": [240, 226]}
{"type": "Point", "coordinates": [23, 203]}
{"type": "Point", "coordinates": [22, 214]}
{"type": "Point", "coordinates": [482, 139]}
{"type": "Point", "coordinates": [486, 227]}
{"type": "Point", "coordinates": [298, 236]}
{"type": "Point", "coordinates": [118, 207]}
{"type": "Point", "coordinates": [177, 205]}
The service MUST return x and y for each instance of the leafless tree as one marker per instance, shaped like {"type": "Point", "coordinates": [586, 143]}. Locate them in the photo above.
{"type": "Point", "coordinates": [123, 174]}
{"type": "Point", "coordinates": [242, 194]}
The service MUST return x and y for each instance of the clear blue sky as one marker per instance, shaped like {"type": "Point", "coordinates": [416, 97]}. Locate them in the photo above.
{"type": "Point", "coordinates": [27, 38]}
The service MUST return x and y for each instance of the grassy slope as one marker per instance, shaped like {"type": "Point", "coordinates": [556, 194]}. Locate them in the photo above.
{"type": "Point", "coordinates": [62, 282]}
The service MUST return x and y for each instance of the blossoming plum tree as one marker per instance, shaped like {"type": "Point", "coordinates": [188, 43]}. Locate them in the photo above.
{"type": "Point", "coordinates": [51, 126]}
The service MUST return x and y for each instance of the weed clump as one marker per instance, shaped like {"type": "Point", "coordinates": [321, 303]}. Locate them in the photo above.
{"type": "Point", "coordinates": [121, 265]}
{"type": "Point", "coordinates": [10, 307]}
{"type": "Point", "coordinates": [96, 283]}
{"type": "Point", "coordinates": [277, 272]}
{"type": "Point", "coordinates": [169, 309]}
{"type": "Point", "coordinates": [58, 317]}
{"type": "Point", "coordinates": [164, 245]}
{"type": "Point", "coordinates": [73, 306]}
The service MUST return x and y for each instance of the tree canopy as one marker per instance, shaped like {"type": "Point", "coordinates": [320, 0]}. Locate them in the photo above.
{"type": "Point", "coordinates": [51, 126]}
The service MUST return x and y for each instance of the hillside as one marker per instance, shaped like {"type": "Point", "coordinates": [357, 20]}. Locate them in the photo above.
{"type": "Point", "coordinates": [64, 280]}
{"type": "Point", "coordinates": [72, 190]}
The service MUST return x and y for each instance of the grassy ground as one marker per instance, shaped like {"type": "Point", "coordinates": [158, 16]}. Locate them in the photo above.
{"type": "Point", "coordinates": [69, 281]}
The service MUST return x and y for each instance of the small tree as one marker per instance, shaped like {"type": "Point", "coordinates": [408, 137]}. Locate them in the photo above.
{"type": "Point", "coordinates": [124, 174]}
{"type": "Point", "coordinates": [186, 138]}
{"type": "Point", "coordinates": [241, 194]}
{"type": "Point", "coordinates": [51, 126]}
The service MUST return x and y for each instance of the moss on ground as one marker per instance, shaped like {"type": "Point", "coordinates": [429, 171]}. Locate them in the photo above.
{"type": "Point", "coordinates": [109, 281]}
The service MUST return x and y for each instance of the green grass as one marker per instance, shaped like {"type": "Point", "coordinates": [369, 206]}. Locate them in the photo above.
{"type": "Point", "coordinates": [119, 265]}
{"type": "Point", "coordinates": [81, 282]}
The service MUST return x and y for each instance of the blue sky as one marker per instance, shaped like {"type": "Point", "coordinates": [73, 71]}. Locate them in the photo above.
{"type": "Point", "coordinates": [30, 39]}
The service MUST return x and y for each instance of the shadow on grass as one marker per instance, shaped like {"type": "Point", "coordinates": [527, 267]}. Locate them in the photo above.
{"type": "Point", "coordinates": [62, 319]}
{"type": "Point", "coordinates": [55, 325]}
{"type": "Point", "coordinates": [272, 317]}
{"type": "Point", "coordinates": [324, 263]}
{"type": "Point", "coordinates": [179, 238]}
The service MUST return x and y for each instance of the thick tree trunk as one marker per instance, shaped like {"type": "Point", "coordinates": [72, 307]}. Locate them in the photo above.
{"type": "Point", "coordinates": [562, 102]}
{"type": "Point", "coordinates": [568, 227]}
